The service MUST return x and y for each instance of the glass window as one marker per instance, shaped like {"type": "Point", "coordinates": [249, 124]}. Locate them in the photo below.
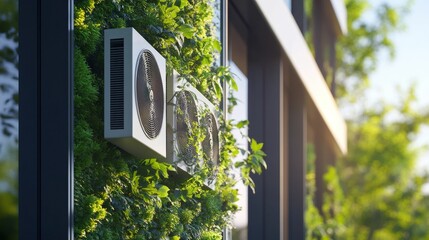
{"type": "Point", "coordinates": [240, 113]}
{"type": "Point", "coordinates": [217, 31]}
{"type": "Point", "coordinates": [9, 119]}
{"type": "Point", "coordinates": [238, 66]}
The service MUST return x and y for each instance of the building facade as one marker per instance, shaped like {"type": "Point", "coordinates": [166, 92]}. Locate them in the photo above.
{"type": "Point", "coordinates": [284, 53]}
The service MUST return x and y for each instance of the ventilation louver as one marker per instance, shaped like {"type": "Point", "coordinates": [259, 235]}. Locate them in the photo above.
{"type": "Point", "coordinates": [117, 83]}
{"type": "Point", "coordinates": [135, 87]}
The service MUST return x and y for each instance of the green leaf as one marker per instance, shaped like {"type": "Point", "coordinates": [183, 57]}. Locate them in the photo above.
{"type": "Point", "coordinates": [163, 191]}
{"type": "Point", "coordinates": [242, 124]}
{"type": "Point", "coordinates": [218, 89]}
{"type": "Point", "coordinates": [262, 161]}
{"type": "Point", "coordinates": [187, 30]}
{"type": "Point", "coordinates": [239, 164]}
{"type": "Point", "coordinates": [232, 83]}
{"type": "Point", "coordinates": [255, 146]}
{"type": "Point", "coordinates": [182, 3]}
{"type": "Point", "coordinates": [217, 46]}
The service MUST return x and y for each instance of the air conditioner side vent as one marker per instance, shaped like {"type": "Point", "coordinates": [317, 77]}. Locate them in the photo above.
{"type": "Point", "coordinates": [117, 84]}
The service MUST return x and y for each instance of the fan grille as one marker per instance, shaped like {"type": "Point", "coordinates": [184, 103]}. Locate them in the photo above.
{"type": "Point", "coordinates": [150, 94]}
{"type": "Point", "coordinates": [186, 110]}
{"type": "Point", "coordinates": [210, 143]}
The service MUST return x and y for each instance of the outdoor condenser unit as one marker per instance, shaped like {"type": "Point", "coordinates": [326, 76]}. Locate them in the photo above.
{"type": "Point", "coordinates": [134, 97]}
{"type": "Point", "coordinates": [187, 107]}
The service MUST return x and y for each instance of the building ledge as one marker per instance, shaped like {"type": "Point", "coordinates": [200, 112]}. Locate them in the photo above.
{"type": "Point", "coordinates": [287, 32]}
{"type": "Point", "coordinates": [340, 15]}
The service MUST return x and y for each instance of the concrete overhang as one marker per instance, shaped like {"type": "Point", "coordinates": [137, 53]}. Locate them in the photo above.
{"type": "Point", "coordinates": [290, 38]}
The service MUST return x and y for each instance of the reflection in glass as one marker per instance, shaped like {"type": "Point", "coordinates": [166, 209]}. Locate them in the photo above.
{"type": "Point", "coordinates": [8, 119]}
{"type": "Point", "coordinates": [240, 113]}
{"type": "Point", "coordinates": [217, 31]}
{"type": "Point", "coordinates": [288, 3]}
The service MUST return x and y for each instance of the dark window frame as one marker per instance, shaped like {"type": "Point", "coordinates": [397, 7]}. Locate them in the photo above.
{"type": "Point", "coordinates": [265, 81]}
{"type": "Point", "coordinates": [46, 119]}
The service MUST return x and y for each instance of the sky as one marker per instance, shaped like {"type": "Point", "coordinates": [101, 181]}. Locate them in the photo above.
{"type": "Point", "coordinates": [410, 66]}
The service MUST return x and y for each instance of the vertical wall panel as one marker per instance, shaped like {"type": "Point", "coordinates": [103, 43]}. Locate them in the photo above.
{"type": "Point", "coordinates": [284, 148]}
{"type": "Point", "coordinates": [265, 89]}
{"type": "Point", "coordinates": [29, 119]}
{"type": "Point", "coordinates": [297, 159]}
{"type": "Point", "coordinates": [256, 130]}
{"type": "Point", "coordinates": [56, 118]}
{"type": "Point", "coordinates": [46, 113]}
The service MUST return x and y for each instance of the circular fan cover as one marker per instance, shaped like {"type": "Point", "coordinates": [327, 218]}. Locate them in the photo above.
{"type": "Point", "coordinates": [150, 94]}
{"type": "Point", "coordinates": [210, 143]}
{"type": "Point", "coordinates": [186, 112]}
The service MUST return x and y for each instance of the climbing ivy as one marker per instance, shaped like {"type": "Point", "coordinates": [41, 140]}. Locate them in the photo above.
{"type": "Point", "coordinates": [118, 196]}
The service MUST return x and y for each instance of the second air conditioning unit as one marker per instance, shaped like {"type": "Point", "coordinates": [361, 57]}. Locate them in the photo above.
{"type": "Point", "coordinates": [187, 110]}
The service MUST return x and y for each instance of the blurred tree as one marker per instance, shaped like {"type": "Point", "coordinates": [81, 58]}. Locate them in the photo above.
{"type": "Point", "coordinates": [383, 196]}
{"type": "Point", "coordinates": [8, 119]}
{"type": "Point", "coordinates": [9, 69]}
{"type": "Point", "coordinates": [374, 192]}
{"type": "Point", "coordinates": [370, 30]}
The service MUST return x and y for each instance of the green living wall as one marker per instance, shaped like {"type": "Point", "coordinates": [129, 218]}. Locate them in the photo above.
{"type": "Point", "coordinates": [118, 196]}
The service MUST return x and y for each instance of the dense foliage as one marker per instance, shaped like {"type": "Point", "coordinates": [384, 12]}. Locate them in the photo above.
{"type": "Point", "coordinates": [374, 191]}
{"type": "Point", "coordinates": [386, 200]}
{"type": "Point", "coordinates": [369, 32]}
{"type": "Point", "coordinates": [118, 196]}
{"type": "Point", "coordinates": [9, 194]}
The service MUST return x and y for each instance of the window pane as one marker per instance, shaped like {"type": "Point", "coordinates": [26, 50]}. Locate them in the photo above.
{"type": "Point", "coordinates": [9, 119]}
{"type": "Point", "coordinates": [240, 113]}
{"type": "Point", "coordinates": [217, 31]}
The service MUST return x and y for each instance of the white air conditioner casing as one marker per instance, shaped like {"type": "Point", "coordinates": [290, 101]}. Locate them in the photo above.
{"type": "Point", "coordinates": [177, 88]}
{"type": "Point", "coordinates": [135, 94]}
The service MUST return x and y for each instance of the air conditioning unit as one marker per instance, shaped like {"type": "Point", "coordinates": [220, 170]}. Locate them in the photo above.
{"type": "Point", "coordinates": [134, 94]}
{"type": "Point", "coordinates": [186, 108]}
